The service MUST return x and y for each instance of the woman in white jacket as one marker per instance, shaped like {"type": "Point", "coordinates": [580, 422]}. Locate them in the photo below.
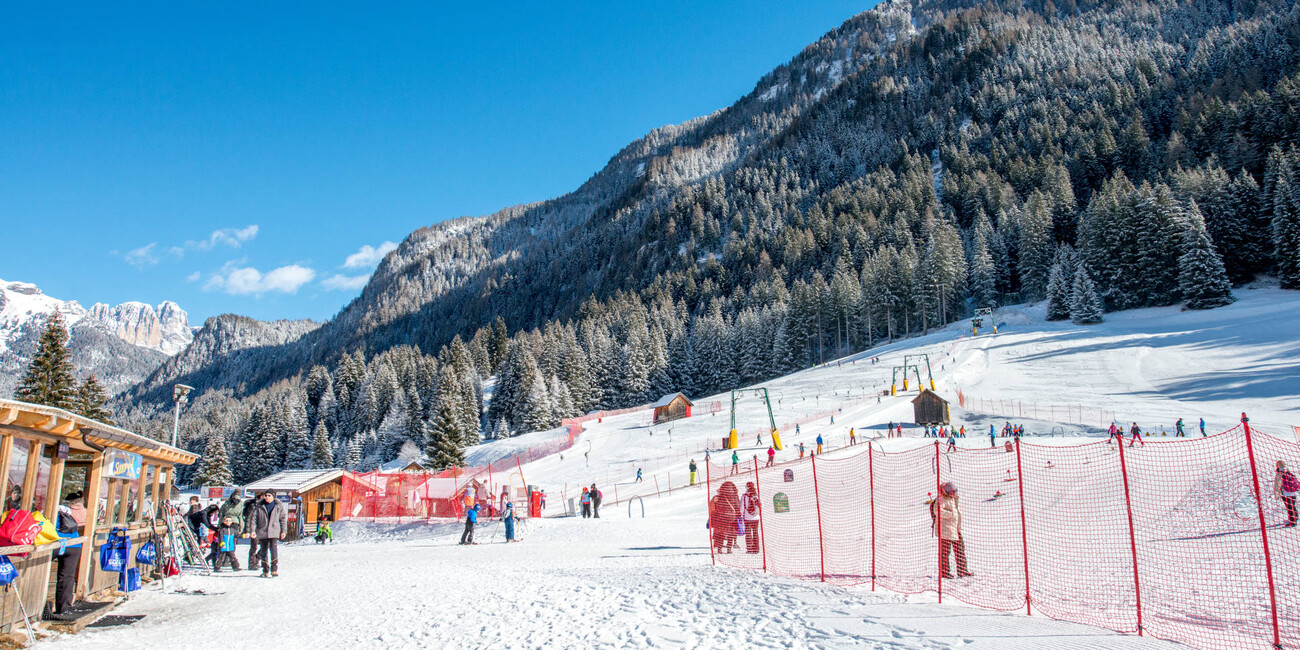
{"type": "Point", "coordinates": [947, 526]}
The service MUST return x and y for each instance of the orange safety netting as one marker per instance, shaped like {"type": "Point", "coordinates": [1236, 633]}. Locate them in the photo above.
{"type": "Point", "coordinates": [1163, 538]}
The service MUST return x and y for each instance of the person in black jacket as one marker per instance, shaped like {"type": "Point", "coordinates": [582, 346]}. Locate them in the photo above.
{"type": "Point", "coordinates": [595, 502]}
{"type": "Point", "coordinates": [252, 539]}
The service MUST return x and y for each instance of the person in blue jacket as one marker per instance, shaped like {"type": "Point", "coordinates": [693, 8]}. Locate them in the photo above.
{"type": "Point", "coordinates": [509, 519]}
{"type": "Point", "coordinates": [819, 444]}
{"type": "Point", "coordinates": [70, 520]}
{"type": "Point", "coordinates": [471, 517]}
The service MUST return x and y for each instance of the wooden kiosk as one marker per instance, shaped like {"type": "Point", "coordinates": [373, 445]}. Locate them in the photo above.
{"type": "Point", "coordinates": [47, 453]}
{"type": "Point", "coordinates": [928, 409]}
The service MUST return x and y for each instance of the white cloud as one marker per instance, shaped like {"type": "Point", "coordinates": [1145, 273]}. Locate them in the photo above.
{"type": "Point", "coordinates": [232, 237]}
{"type": "Point", "coordinates": [193, 277]}
{"type": "Point", "coordinates": [244, 281]}
{"type": "Point", "coordinates": [368, 257]}
{"type": "Point", "coordinates": [142, 256]}
{"type": "Point", "coordinates": [339, 282]}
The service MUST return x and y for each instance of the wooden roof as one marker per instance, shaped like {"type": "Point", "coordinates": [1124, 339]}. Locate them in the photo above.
{"type": "Point", "coordinates": [295, 480]}
{"type": "Point", "coordinates": [57, 425]}
{"type": "Point", "coordinates": [668, 399]}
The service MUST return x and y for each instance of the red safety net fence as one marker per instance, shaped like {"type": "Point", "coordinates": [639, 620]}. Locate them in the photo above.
{"type": "Point", "coordinates": [1163, 539]}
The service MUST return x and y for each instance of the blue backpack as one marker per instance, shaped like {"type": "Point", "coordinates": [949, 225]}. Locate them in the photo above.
{"type": "Point", "coordinates": [8, 573]}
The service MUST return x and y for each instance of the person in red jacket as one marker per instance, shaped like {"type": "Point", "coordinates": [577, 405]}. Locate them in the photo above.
{"type": "Point", "coordinates": [724, 510]}
{"type": "Point", "coordinates": [771, 456]}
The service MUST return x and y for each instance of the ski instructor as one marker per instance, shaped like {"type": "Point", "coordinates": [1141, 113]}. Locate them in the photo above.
{"type": "Point", "coordinates": [268, 524]}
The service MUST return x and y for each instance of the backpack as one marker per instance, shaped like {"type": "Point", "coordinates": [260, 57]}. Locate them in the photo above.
{"type": "Point", "coordinates": [1289, 482]}
{"type": "Point", "coordinates": [19, 528]}
{"type": "Point", "coordinates": [115, 551]}
{"type": "Point", "coordinates": [148, 553]}
{"type": "Point", "coordinates": [8, 573]}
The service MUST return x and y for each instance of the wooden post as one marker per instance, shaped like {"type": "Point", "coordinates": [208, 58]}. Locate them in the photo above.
{"type": "Point", "coordinates": [34, 449]}
{"type": "Point", "coordinates": [1132, 538]}
{"type": "Point", "coordinates": [821, 544]}
{"type": "Point", "coordinates": [123, 501]}
{"type": "Point", "coordinates": [6, 455]}
{"type": "Point", "coordinates": [54, 488]}
{"type": "Point", "coordinates": [708, 510]}
{"type": "Point", "coordinates": [938, 518]}
{"type": "Point", "coordinates": [92, 508]}
{"type": "Point", "coordinates": [1024, 535]}
{"type": "Point", "coordinates": [871, 474]}
{"type": "Point", "coordinates": [157, 491]}
{"type": "Point", "coordinates": [1263, 530]}
{"type": "Point", "coordinates": [139, 493]}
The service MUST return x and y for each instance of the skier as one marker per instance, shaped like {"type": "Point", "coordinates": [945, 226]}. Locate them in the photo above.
{"type": "Point", "coordinates": [819, 444]}
{"type": "Point", "coordinates": [1179, 426]}
{"type": "Point", "coordinates": [952, 440]}
{"type": "Point", "coordinates": [801, 450]}
{"type": "Point", "coordinates": [735, 462]}
{"type": "Point", "coordinates": [596, 498]}
{"type": "Point", "coordinates": [771, 456]}
{"type": "Point", "coordinates": [853, 437]}
{"type": "Point", "coordinates": [585, 500]}
{"type": "Point", "coordinates": [889, 431]}
{"type": "Point", "coordinates": [759, 443]}
{"type": "Point", "coordinates": [900, 429]}
{"type": "Point", "coordinates": [508, 517]}
{"type": "Point", "coordinates": [796, 429]}
{"type": "Point", "coordinates": [638, 475]}
{"type": "Point", "coordinates": [1286, 487]}
{"type": "Point", "coordinates": [1136, 435]}
{"type": "Point", "coordinates": [749, 512]}
{"type": "Point", "coordinates": [832, 419]}
{"type": "Point", "coordinates": [993, 437]}
{"type": "Point", "coordinates": [471, 518]}
{"type": "Point", "coordinates": [1202, 427]}
{"type": "Point", "coordinates": [692, 469]}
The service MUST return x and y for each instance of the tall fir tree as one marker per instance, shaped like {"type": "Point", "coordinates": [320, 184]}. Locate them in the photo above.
{"type": "Point", "coordinates": [215, 467]}
{"type": "Point", "coordinates": [1286, 230]}
{"type": "Point", "coordinates": [442, 447]}
{"type": "Point", "coordinates": [322, 456]}
{"type": "Point", "coordinates": [1202, 280]}
{"type": "Point", "coordinates": [1058, 294]}
{"type": "Point", "coordinates": [1085, 305]}
{"type": "Point", "coordinates": [91, 401]}
{"type": "Point", "coordinates": [48, 380]}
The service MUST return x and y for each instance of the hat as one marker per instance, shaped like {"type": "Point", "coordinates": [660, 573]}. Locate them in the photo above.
{"type": "Point", "coordinates": [948, 488]}
{"type": "Point", "coordinates": [509, 505]}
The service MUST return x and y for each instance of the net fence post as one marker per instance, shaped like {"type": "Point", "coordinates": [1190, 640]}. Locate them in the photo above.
{"type": "Point", "coordinates": [708, 509]}
{"type": "Point", "coordinates": [938, 520]}
{"type": "Point", "coordinates": [1132, 537]}
{"type": "Point", "coordinates": [871, 478]}
{"type": "Point", "coordinates": [1024, 535]}
{"type": "Point", "coordinates": [762, 540]}
{"type": "Point", "coordinates": [821, 543]}
{"type": "Point", "coordinates": [1263, 531]}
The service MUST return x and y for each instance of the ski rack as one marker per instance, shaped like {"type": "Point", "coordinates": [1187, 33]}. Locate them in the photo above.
{"type": "Point", "coordinates": [184, 546]}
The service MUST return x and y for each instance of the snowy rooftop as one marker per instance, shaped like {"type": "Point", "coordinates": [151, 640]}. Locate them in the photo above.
{"type": "Point", "coordinates": [297, 480]}
{"type": "Point", "coordinates": [667, 399]}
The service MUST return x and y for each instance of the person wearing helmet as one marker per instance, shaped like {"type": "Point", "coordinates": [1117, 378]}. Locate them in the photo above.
{"type": "Point", "coordinates": [946, 513]}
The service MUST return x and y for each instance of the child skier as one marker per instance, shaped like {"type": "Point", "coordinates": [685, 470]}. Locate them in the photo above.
{"type": "Point", "coordinates": [1179, 426]}
{"type": "Point", "coordinates": [227, 535]}
{"type": "Point", "coordinates": [1137, 435]}
{"type": "Point", "coordinates": [771, 456]}
{"type": "Point", "coordinates": [1115, 434]}
{"type": "Point", "coordinates": [324, 532]}
{"type": "Point", "coordinates": [1202, 427]}
{"type": "Point", "coordinates": [638, 475]}
{"type": "Point", "coordinates": [692, 468]}
{"type": "Point", "coordinates": [471, 518]}
{"type": "Point", "coordinates": [585, 500]}
{"type": "Point", "coordinates": [509, 519]}
{"type": "Point", "coordinates": [801, 450]}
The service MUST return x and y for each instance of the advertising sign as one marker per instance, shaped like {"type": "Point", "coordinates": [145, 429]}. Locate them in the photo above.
{"type": "Point", "coordinates": [122, 464]}
{"type": "Point", "coordinates": [780, 502]}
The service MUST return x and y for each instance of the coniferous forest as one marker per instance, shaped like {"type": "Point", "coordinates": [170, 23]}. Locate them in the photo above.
{"type": "Point", "coordinates": [918, 162]}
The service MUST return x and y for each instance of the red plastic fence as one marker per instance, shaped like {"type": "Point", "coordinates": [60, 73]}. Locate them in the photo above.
{"type": "Point", "coordinates": [1162, 539]}
{"type": "Point", "coordinates": [1013, 408]}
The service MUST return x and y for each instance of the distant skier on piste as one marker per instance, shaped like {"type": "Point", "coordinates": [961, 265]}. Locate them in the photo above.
{"type": "Point", "coordinates": [771, 456]}
{"type": "Point", "coordinates": [819, 444]}
{"type": "Point", "coordinates": [1202, 427]}
{"type": "Point", "coordinates": [735, 463]}
{"type": "Point", "coordinates": [1178, 426]}
{"type": "Point", "coordinates": [1115, 434]}
{"type": "Point", "coordinates": [638, 475]}
{"type": "Point", "coordinates": [692, 469]}
{"type": "Point", "coordinates": [1136, 435]}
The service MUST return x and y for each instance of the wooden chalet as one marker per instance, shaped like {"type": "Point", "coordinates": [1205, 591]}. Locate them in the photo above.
{"type": "Point", "coordinates": [673, 406]}
{"type": "Point", "coordinates": [309, 494]}
{"type": "Point", "coordinates": [47, 453]}
{"type": "Point", "coordinates": [928, 409]}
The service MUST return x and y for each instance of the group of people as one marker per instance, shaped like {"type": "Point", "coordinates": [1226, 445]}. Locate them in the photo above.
{"type": "Point", "coordinates": [591, 498]}
{"type": "Point", "coordinates": [262, 520]}
{"type": "Point", "coordinates": [732, 515]}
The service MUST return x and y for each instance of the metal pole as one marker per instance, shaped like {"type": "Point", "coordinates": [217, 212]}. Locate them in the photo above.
{"type": "Point", "coordinates": [762, 541]}
{"type": "Point", "coordinates": [1024, 535]}
{"type": "Point", "coordinates": [1263, 529]}
{"type": "Point", "coordinates": [709, 510]}
{"type": "Point", "coordinates": [938, 518]}
{"type": "Point", "coordinates": [871, 474]}
{"type": "Point", "coordinates": [176, 423]}
{"type": "Point", "coordinates": [1128, 506]}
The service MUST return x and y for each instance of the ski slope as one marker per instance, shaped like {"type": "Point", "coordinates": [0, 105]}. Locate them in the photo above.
{"type": "Point", "coordinates": [647, 582]}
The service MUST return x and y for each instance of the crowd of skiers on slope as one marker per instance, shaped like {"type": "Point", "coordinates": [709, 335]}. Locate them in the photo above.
{"type": "Point", "coordinates": [262, 520]}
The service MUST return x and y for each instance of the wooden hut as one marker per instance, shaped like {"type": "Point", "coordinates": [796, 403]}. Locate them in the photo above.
{"type": "Point", "coordinates": [309, 494]}
{"type": "Point", "coordinates": [47, 453]}
{"type": "Point", "coordinates": [928, 409]}
{"type": "Point", "coordinates": [673, 406]}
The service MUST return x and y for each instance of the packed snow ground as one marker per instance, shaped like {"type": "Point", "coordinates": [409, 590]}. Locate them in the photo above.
{"type": "Point", "coordinates": [620, 582]}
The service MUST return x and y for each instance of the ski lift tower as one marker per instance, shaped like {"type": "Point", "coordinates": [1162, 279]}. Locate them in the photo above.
{"type": "Point", "coordinates": [978, 319]}
{"type": "Point", "coordinates": [893, 383]}
{"type": "Point", "coordinates": [907, 359]}
{"type": "Point", "coordinates": [771, 420]}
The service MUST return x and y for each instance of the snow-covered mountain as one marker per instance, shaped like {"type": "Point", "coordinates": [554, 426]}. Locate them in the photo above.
{"type": "Point", "coordinates": [120, 344]}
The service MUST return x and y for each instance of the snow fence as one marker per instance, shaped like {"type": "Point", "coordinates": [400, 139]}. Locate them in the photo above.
{"type": "Point", "coordinates": [1163, 539]}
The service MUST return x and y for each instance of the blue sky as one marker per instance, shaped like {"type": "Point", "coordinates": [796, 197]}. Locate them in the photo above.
{"type": "Point", "coordinates": [260, 159]}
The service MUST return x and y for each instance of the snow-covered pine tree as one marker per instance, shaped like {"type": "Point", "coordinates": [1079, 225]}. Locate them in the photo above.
{"type": "Point", "coordinates": [353, 461]}
{"type": "Point", "coordinates": [322, 456]}
{"type": "Point", "coordinates": [1036, 246]}
{"type": "Point", "coordinates": [983, 276]}
{"type": "Point", "coordinates": [1286, 230]}
{"type": "Point", "coordinates": [561, 399]}
{"type": "Point", "coordinates": [1157, 240]}
{"type": "Point", "coordinates": [1202, 279]}
{"type": "Point", "coordinates": [91, 401]}
{"type": "Point", "coordinates": [442, 448]}
{"type": "Point", "coordinates": [215, 466]}
{"type": "Point", "coordinates": [396, 426]}
{"type": "Point", "coordinates": [298, 447]}
{"type": "Point", "coordinates": [539, 413]}
{"type": "Point", "coordinates": [48, 379]}
{"type": "Point", "coordinates": [1085, 305]}
{"type": "Point", "coordinates": [1058, 294]}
